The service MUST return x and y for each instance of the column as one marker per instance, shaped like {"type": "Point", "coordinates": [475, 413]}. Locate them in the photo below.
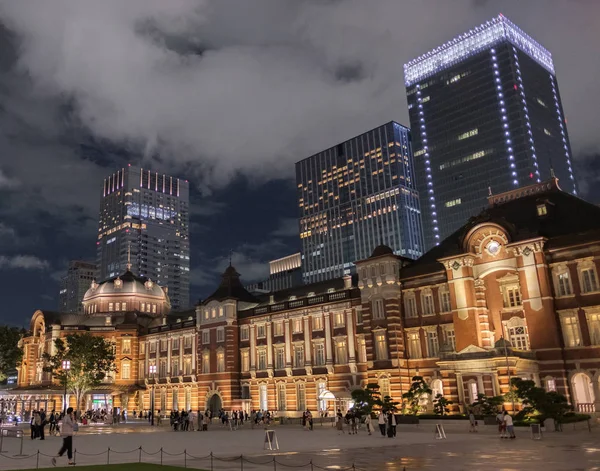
{"type": "Point", "coordinates": [252, 347]}
{"type": "Point", "coordinates": [480, 386]}
{"type": "Point", "coordinates": [169, 344]}
{"type": "Point", "coordinates": [496, 384]}
{"type": "Point", "coordinates": [288, 345]}
{"type": "Point", "coordinates": [194, 352]}
{"type": "Point", "coordinates": [269, 346]}
{"type": "Point", "coordinates": [461, 391]}
{"type": "Point", "coordinates": [307, 343]}
{"type": "Point", "coordinates": [350, 331]}
{"type": "Point", "coordinates": [144, 374]}
{"type": "Point", "coordinates": [328, 339]}
{"type": "Point", "coordinates": [180, 355]}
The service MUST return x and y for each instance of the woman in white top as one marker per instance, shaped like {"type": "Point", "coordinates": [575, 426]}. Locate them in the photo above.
{"type": "Point", "coordinates": [381, 422]}
{"type": "Point", "coordinates": [368, 423]}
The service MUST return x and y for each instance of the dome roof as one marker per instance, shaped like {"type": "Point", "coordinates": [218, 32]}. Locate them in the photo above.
{"type": "Point", "coordinates": [127, 284]}
{"type": "Point", "coordinates": [382, 250]}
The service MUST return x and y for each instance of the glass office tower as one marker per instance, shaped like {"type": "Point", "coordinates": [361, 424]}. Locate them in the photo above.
{"type": "Point", "coordinates": [74, 285]}
{"type": "Point", "coordinates": [486, 115]}
{"type": "Point", "coordinates": [146, 213]}
{"type": "Point", "coordinates": [354, 197]}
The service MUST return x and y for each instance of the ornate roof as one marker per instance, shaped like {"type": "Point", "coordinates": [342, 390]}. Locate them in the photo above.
{"type": "Point", "coordinates": [127, 283]}
{"type": "Point", "coordinates": [381, 250]}
{"type": "Point", "coordinates": [231, 288]}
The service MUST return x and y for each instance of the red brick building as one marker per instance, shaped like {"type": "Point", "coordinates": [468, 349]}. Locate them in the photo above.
{"type": "Point", "coordinates": [514, 292]}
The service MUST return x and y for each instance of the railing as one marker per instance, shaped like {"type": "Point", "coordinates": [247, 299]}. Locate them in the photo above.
{"type": "Point", "coordinates": [296, 303]}
{"type": "Point", "coordinates": [210, 461]}
{"type": "Point", "coordinates": [586, 408]}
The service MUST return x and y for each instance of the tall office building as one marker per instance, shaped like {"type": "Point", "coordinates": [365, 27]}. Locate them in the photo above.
{"type": "Point", "coordinates": [486, 115]}
{"type": "Point", "coordinates": [354, 197]}
{"type": "Point", "coordinates": [284, 273]}
{"type": "Point", "coordinates": [147, 214]}
{"type": "Point", "coordinates": [74, 285]}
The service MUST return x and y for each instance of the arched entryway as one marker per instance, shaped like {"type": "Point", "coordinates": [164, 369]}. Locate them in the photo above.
{"type": "Point", "coordinates": [583, 391]}
{"type": "Point", "coordinates": [215, 404]}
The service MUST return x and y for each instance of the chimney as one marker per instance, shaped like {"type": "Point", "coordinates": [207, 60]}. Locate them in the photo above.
{"type": "Point", "coordinates": [347, 282]}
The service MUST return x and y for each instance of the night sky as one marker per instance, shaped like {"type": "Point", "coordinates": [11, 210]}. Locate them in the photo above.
{"type": "Point", "coordinates": [228, 94]}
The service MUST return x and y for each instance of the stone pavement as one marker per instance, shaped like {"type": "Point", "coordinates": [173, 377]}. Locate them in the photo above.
{"type": "Point", "coordinates": [415, 448]}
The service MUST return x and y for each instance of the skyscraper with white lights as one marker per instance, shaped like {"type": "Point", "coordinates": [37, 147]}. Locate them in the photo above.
{"type": "Point", "coordinates": [485, 115]}
{"type": "Point", "coordinates": [146, 213]}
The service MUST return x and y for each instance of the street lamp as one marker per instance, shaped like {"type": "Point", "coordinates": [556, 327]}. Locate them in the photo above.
{"type": "Point", "coordinates": [66, 366]}
{"type": "Point", "coordinates": [152, 369]}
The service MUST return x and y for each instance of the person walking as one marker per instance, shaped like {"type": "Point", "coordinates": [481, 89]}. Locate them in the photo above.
{"type": "Point", "coordinates": [391, 420]}
{"type": "Point", "coordinates": [309, 419]}
{"type": "Point", "coordinates": [501, 426]}
{"type": "Point", "coordinates": [381, 422]}
{"type": "Point", "coordinates": [472, 422]}
{"type": "Point", "coordinates": [368, 423]}
{"type": "Point", "coordinates": [42, 424]}
{"type": "Point", "coordinates": [508, 421]}
{"type": "Point", "coordinates": [68, 427]}
{"type": "Point", "coordinates": [52, 429]}
{"type": "Point", "coordinates": [339, 421]}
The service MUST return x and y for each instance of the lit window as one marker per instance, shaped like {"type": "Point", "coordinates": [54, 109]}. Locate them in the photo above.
{"type": "Point", "coordinates": [550, 385]}
{"type": "Point", "coordinates": [433, 344]}
{"type": "Point", "coordinates": [278, 328]}
{"type": "Point", "coordinates": [187, 366]}
{"type": "Point", "coordinates": [593, 321]}
{"type": "Point", "coordinates": [454, 202]}
{"type": "Point", "coordinates": [187, 342]}
{"type": "Point", "coordinates": [110, 307]}
{"type": "Point", "coordinates": [245, 361]}
{"type": "Point", "coordinates": [123, 306]}
{"type": "Point", "coordinates": [341, 353]}
{"type": "Point", "coordinates": [517, 333]}
{"type": "Point", "coordinates": [261, 331]}
{"type": "Point", "coordinates": [512, 296]}
{"type": "Point", "coordinates": [462, 160]}
{"type": "Point", "coordinates": [301, 396]}
{"type": "Point", "coordinates": [381, 346]}
{"type": "Point", "coordinates": [126, 347]}
{"type": "Point", "coordinates": [384, 387]}
{"type": "Point", "coordinates": [542, 210]}
{"type": "Point", "coordinates": [206, 362]}
{"type": "Point", "coordinates": [317, 323]}
{"type": "Point", "coordinates": [570, 327]}
{"type": "Point", "coordinates": [378, 311]}
{"type": "Point", "coordinates": [281, 399]}
{"type": "Point", "coordinates": [466, 135]}
{"type": "Point", "coordinates": [297, 325]}
{"type": "Point", "coordinates": [339, 319]}
{"type": "Point", "coordinates": [220, 362]}
{"type": "Point", "coordinates": [117, 306]}
{"type": "Point", "coordinates": [125, 370]}
{"type": "Point", "coordinates": [414, 344]}
{"type": "Point", "coordinates": [473, 391]}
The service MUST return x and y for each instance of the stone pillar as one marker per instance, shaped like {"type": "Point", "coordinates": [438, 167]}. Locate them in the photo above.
{"type": "Point", "coordinates": [169, 344]}
{"type": "Point", "coordinates": [328, 347]}
{"type": "Point", "coordinates": [350, 330]}
{"type": "Point", "coordinates": [181, 344]}
{"type": "Point", "coordinates": [269, 346]}
{"type": "Point", "coordinates": [596, 388]}
{"type": "Point", "coordinates": [496, 385]}
{"type": "Point", "coordinates": [307, 343]}
{"type": "Point", "coordinates": [483, 314]}
{"type": "Point", "coordinates": [194, 353]}
{"type": "Point", "coordinates": [461, 392]}
{"type": "Point", "coordinates": [480, 385]}
{"type": "Point", "coordinates": [288, 346]}
{"type": "Point", "coordinates": [252, 347]}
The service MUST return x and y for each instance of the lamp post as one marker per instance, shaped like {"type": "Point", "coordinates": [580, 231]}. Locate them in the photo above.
{"type": "Point", "coordinates": [152, 369]}
{"type": "Point", "coordinates": [66, 366]}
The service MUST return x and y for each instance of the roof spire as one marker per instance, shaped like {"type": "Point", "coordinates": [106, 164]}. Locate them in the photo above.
{"type": "Point", "coordinates": [128, 256]}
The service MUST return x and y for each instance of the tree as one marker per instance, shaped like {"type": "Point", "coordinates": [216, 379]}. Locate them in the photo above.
{"type": "Point", "coordinates": [539, 402]}
{"type": "Point", "coordinates": [91, 359]}
{"type": "Point", "coordinates": [415, 395]}
{"type": "Point", "coordinates": [387, 404]}
{"type": "Point", "coordinates": [10, 352]}
{"type": "Point", "coordinates": [488, 405]}
{"type": "Point", "coordinates": [440, 405]}
{"type": "Point", "coordinates": [367, 398]}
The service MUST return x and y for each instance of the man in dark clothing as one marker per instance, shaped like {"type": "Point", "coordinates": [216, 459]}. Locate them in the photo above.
{"type": "Point", "coordinates": [42, 424]}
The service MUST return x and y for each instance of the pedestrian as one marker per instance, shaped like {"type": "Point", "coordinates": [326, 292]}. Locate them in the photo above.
{"type": "Point", "coordinates": [200, 421]}
{"type": "Point", "coordinates": [508, 422]}
{"type": "Point", "coordinates": [68, 427]}
{"type": "Point", "coordinates": [309, 418]}
{"type": "Point", "coordinates": [368, 423]}
{"type": "Point", "coordinates": [339, 421]}
{"type": "Point", "coordinates": [52, 429]}
{"type": "Point", "coordinates": [381, 422]}
{"type": "Point", "coordinates": [501, 426]}
{"type": "Point", "coordinates": [472, 422]}
{"type": "Point", "coordinates": [391, 420]}
{"type": "Point", "coordinates": [42, 424]}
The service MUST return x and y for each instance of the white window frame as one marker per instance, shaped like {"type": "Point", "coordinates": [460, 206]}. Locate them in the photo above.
{"type": "Point", "coordinates": [410, 305]}
{"type": "Point", "coordinates": [206, 362]}
{"type": "Point", "coordinates": [339, 319]}
{"type": "Point", "coordinates": [427, 304]}
{"type": "Point", "coordinates": [297, 325]}
{"type": "Point", "coordinates": [413, 341]}
{"type": "Point", "coordinates": [385, 388]}
{"type": "Point", "coordinates": [261, 331]}
{"type": "Point", "coordinates": [569, 322]}
{"type": "Point", "coordinates": [278, 329]}
{"type": "Point", "coordinates": [261, 354]}
{"type": "Point", "coordinates": [433, 343]}
{"type": "Point", "coordinates": [317, 323]}
{"type": "Point", "coordinates": [206, 337]}
{"type": "Point", "coordinates": [220, 334]}
{"type": "Point", "coordinates": [299, 355]}
{"type": "Point", "coordinates": [592, 317]}
{"type": "Point", "coordinates": [125, 370]}
{"type": "Point", "coordinates": [510, 288]}
{"type": "Point", "coordinates": [562, 286]}
{"type": "Point", "coordinates": [380, 340]}
{"type": "Point", "coordinates": [341, 346]}
{"type": "Point", "coordinates": [281, 397]}
{"type": "Point", "coordinates": [445, 300]}
{"type": "Point", "coordinates": [515, 330]}
{"type": "Point", "coordinates": [377, 306]}
{"type": "Point", "coordinates": [319, 354]}
{"type": "Point", "coordinates": [245, 360]}
{"type": "Point", "coordinates": [279, 357]}
{"type": "Point", "coordinates": [588, 284]}
{"type": "Point", "coordinates": [244, 332]}
{"type": "Point", "coordinates": [220, 360]}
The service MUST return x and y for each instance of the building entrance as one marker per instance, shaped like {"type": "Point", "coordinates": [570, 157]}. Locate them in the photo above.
{"type": "Point", "coordinates": [215, 404]}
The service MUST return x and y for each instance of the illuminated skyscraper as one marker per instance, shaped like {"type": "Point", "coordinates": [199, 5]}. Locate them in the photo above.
{"type": "Point", "coordinates": [485, 114]}
{"type": "Point", "coordinates": [355, 196]}
{"type": "Point", "coordinates": [74, 285]}
{"type": "Point", "coordinates": [149, 213]}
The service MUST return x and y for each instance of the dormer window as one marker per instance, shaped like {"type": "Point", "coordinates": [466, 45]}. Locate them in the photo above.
{"type": "Point", "coordinates": [292, 298]}
{"type": "Point", "coordinates": [331, 290]}
{"type": "Point", "coordinates": [542, 209]}
{"type": "Point", "coordinates": [312, 293]}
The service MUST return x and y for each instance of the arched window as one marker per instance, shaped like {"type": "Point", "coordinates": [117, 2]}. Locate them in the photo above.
{"type": "Point", "coordinates": [516, 333]}
{"type": "Point", "coordinates": [437, 387]}
{"type": "Point", "coordinates": [384, 386]}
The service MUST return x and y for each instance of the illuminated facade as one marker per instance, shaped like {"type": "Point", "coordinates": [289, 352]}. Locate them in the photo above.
{"type": "Point", "coordinates": [514, 293]}
{"type": "Point", "coordinates": [355, 196]}
{"type": "Point", "coordinates": [485, 112]}
{"type": "Point", "coordinates": [149, 213]}
{"type": "Point", "coordinates": [74, 285]}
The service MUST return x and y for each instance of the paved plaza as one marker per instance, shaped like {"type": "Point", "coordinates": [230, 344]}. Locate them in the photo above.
{"type": "Point", "coordinates": [415, 448]}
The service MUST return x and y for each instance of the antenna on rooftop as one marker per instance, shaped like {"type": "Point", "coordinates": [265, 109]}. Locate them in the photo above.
{"type": "Point", "coordinates": [128, 256]}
